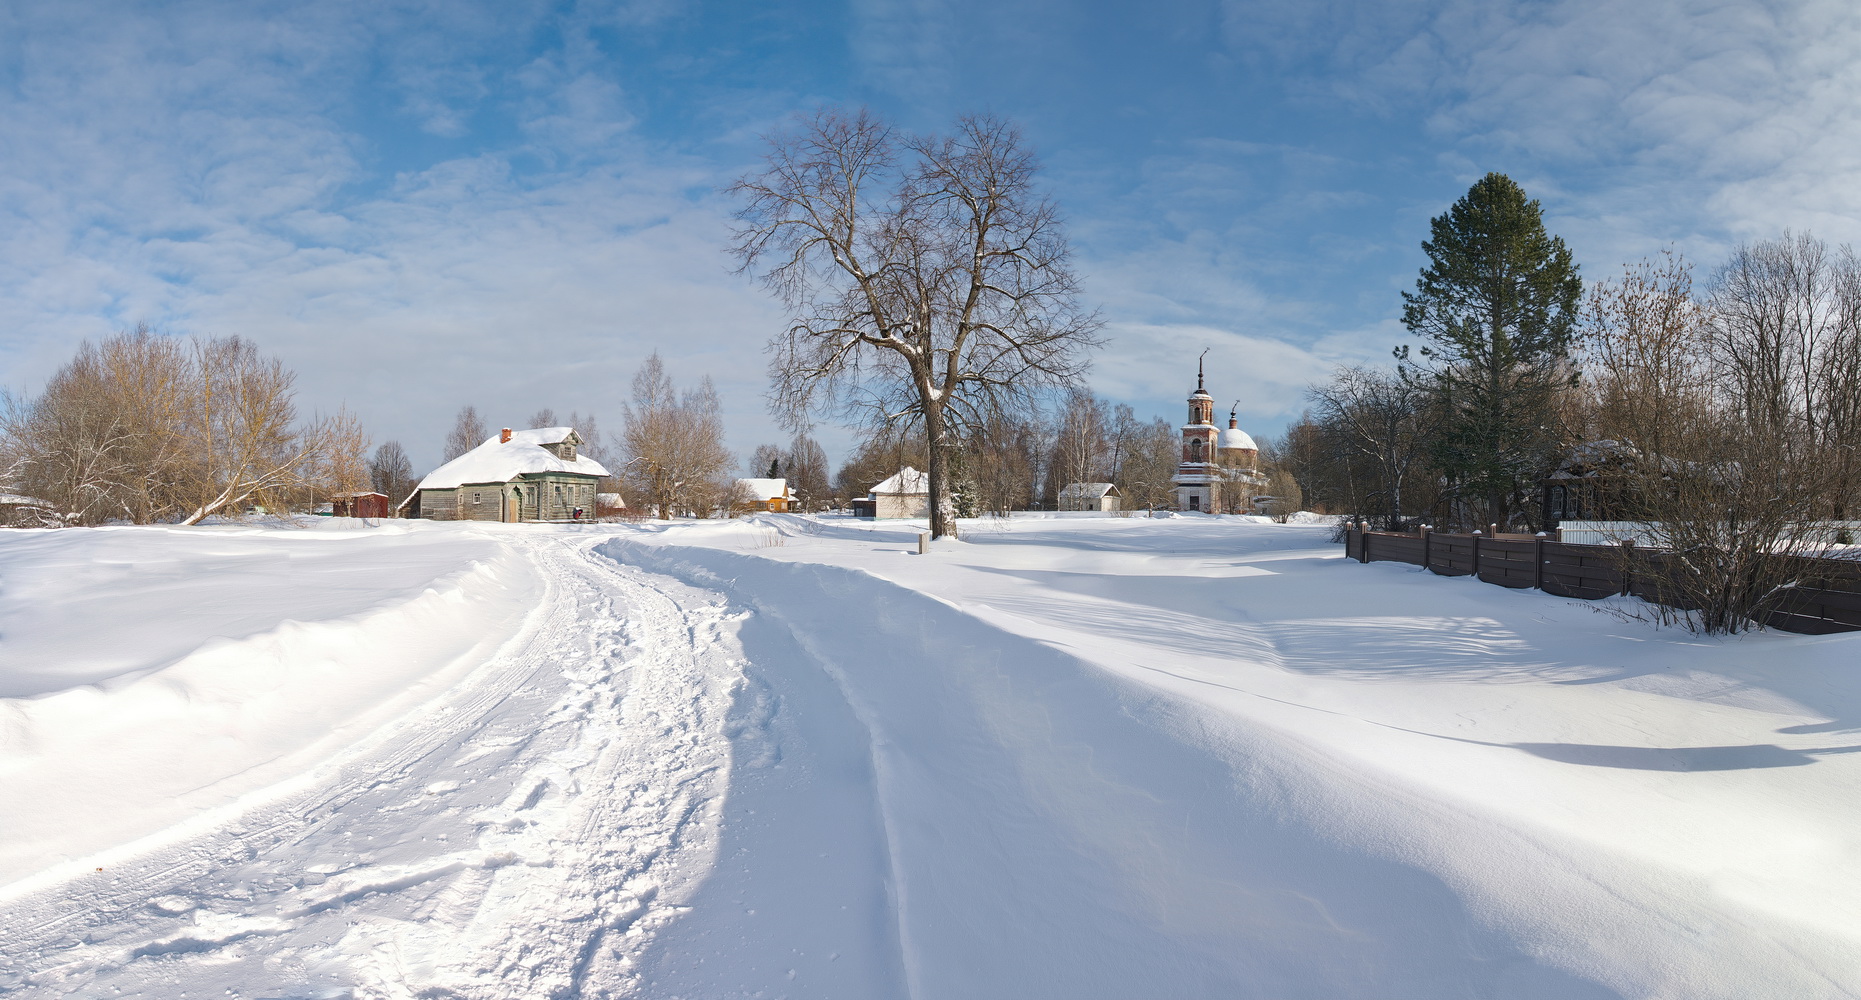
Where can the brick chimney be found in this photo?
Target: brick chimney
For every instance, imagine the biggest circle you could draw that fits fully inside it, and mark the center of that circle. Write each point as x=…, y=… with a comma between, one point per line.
x=504, y=438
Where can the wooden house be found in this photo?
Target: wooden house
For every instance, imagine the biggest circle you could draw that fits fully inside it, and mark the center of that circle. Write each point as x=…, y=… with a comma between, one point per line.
x=533, y=475
x=754, y=495
x=1592, y=483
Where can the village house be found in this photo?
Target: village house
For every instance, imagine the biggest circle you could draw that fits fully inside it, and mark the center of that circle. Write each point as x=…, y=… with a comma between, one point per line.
x=533, y=475
x=755, y=495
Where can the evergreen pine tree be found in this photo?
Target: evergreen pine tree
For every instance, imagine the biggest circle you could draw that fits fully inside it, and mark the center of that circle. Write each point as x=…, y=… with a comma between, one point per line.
x=1496, y=305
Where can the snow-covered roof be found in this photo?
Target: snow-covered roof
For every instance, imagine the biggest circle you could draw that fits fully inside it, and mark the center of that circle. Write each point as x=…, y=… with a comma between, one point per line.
x=498, y=461
x=609, y=500
x=1088, y=491
x=1234, y=437
x=907, y=482
x=766, y=489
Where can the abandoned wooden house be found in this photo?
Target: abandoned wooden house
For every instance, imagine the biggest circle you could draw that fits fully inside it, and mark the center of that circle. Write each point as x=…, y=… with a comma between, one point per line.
x=533, y=475
x=1595, y=482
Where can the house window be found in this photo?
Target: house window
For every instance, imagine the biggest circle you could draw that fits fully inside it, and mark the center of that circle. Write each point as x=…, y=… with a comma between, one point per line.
x=474, y=498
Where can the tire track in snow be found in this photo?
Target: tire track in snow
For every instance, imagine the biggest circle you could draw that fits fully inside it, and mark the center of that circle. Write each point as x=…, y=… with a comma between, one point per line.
x=521, y=835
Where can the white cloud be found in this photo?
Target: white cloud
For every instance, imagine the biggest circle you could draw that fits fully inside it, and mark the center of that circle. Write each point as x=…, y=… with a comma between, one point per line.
x=204, y=183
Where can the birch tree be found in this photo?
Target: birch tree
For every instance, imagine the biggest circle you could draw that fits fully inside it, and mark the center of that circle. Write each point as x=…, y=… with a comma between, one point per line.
x=927, y=278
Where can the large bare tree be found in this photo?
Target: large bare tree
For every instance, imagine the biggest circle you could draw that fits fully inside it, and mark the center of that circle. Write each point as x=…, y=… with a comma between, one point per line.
x=928, y=279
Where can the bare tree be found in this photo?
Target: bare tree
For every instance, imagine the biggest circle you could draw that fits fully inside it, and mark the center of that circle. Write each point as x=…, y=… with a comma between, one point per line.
x=391, y=473
x=1002, y=458
x=807, y=473
x=145, y=428
x=1785, y=337
x=766, y=461
x=1081, y=448
x=1147, y=469
x=928, y=279
x=878, y=458
x=675, y=455
x=1710, y=410
x=544, y=417
x=1384, y=418
x=244, y=443
x=468, y=432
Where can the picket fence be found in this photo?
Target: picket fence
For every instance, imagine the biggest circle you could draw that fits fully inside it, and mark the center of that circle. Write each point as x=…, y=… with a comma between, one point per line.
x=1829, y=600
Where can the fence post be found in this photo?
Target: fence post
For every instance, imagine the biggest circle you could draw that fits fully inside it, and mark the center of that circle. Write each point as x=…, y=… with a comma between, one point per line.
x=1628, y=566
x=1537, y=558
x=1476, y=553
x=1363, y=549
x=1426, y=563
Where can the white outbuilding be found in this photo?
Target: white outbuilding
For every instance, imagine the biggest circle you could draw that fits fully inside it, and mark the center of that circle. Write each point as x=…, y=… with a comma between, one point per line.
x=906, y=494
x=1101, y=497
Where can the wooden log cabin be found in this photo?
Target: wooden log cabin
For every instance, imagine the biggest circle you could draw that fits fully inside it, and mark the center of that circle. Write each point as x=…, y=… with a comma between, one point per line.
x=533, y=475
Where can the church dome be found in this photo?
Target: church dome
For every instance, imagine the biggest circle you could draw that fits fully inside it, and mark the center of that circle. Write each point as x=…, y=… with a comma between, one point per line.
x=1235, y=439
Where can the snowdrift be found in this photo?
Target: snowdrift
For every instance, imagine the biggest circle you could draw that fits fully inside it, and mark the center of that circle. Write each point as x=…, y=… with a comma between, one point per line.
x=156, y=678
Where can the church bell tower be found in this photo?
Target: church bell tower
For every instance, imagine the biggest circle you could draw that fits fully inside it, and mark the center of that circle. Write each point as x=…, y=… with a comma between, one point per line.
x=1198, y=479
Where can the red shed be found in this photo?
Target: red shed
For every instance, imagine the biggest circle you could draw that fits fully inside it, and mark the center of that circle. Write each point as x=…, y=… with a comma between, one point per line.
x=360, y=505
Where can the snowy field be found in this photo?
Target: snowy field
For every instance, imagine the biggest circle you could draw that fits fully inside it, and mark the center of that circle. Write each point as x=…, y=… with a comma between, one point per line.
x=789, y=757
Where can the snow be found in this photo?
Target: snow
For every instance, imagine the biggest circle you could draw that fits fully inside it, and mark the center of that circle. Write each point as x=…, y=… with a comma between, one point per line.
x=499, y=461
x=766, y=489
x=788, y=756
x=905, y=482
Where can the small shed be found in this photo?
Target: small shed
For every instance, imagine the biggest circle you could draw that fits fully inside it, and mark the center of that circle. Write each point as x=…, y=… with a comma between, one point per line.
x=906, y=494
x=1101, y=497
x=762, y=495
x=360, y=505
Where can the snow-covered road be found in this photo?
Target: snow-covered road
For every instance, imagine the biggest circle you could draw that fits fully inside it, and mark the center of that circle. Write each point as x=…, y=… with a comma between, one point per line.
x=501, y=837
x=790, y=757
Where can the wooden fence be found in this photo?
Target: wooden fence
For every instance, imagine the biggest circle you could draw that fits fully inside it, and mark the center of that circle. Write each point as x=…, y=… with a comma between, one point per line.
x=1830, y=600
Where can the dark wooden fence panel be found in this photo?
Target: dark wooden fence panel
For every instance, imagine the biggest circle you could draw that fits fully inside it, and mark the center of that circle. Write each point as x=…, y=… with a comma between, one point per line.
x=1388, y=547
x=1828, y=601
x=1583, y=571
x=1450, y=555
x=1508, y=563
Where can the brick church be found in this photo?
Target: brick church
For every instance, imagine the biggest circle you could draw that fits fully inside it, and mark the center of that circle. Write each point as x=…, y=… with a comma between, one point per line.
x=1220, y=469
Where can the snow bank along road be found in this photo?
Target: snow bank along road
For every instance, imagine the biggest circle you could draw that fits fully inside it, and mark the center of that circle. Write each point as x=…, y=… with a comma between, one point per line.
x=789, y=757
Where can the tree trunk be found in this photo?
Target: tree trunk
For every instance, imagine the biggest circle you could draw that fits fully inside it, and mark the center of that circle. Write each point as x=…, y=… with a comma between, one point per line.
x=937, y=436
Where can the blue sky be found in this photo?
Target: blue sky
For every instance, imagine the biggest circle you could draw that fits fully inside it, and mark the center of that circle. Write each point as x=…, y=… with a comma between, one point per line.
x=509, y=204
